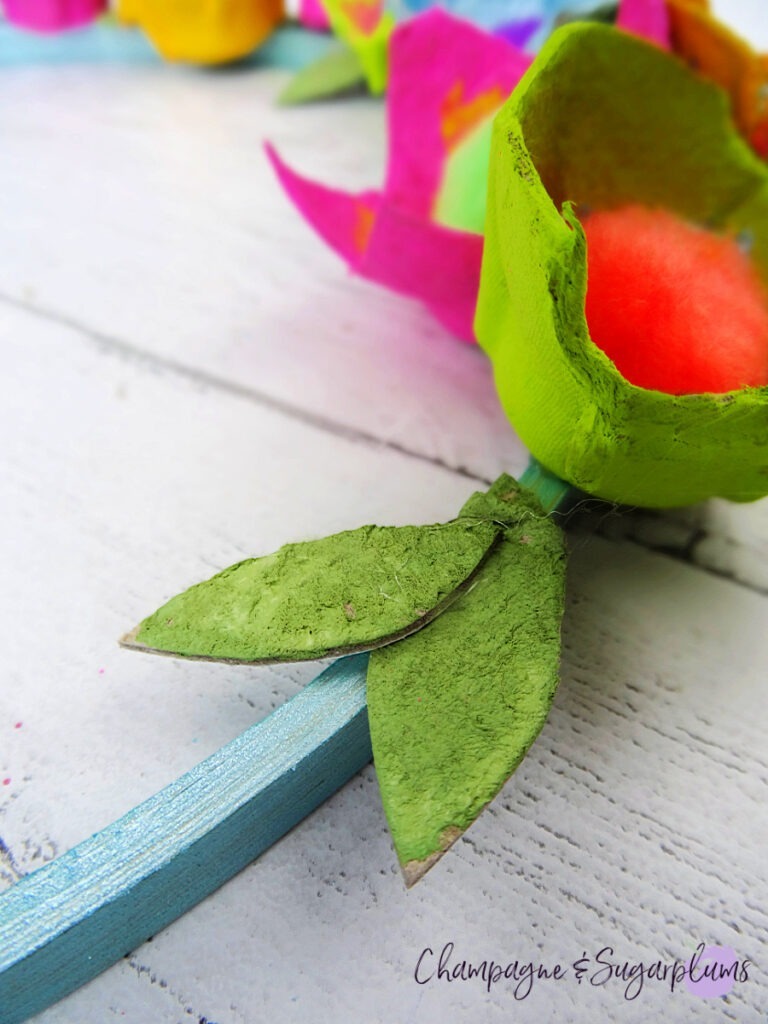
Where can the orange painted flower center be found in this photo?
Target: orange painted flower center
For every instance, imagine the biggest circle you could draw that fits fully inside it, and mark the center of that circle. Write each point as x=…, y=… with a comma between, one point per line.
x=677, y=308
x=459, y=116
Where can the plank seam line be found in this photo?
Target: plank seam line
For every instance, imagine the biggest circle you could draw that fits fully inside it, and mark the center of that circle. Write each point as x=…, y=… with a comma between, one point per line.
x=130, y=353
x=591, y=524
x=689, y=559
x=125, y=350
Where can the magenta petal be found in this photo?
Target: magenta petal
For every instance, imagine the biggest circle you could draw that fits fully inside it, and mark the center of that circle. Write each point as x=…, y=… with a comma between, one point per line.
x=645, y=18
x=313, y=15
x=343, y=220
x=447, y=78
x=52, y=15
x=437, y=265
x=425, y=261
x=438, y=63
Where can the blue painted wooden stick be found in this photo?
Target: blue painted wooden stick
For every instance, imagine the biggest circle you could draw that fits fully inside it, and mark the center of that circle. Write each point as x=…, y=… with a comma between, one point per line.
x=71, y=919
x=291, y=47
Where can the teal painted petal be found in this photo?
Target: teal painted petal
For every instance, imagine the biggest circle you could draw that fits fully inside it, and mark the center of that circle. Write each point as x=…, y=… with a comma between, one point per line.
x=348, y=592
x=454, y=708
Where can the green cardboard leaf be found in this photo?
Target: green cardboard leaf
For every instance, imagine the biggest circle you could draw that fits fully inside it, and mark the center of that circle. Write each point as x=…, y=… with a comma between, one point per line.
x=601, y=120
x=344, y=593
x=454, y=708
x=335, y=72
x=366, y=27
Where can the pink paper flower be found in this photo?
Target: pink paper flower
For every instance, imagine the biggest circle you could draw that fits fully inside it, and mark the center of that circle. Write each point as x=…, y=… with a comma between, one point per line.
x=421, y=234
x=646, y=18
x=314, y=15
x=53, y=15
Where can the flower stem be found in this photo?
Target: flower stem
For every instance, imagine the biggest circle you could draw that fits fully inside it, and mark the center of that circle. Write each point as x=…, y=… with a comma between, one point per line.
x=551, y=491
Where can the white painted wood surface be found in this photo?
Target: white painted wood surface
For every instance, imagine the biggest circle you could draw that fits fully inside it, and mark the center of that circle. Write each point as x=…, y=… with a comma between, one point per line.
x=189, y=378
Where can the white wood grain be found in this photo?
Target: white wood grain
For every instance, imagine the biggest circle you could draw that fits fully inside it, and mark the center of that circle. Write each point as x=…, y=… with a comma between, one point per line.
x=637, y=821
x=237, y=285
x=156, y=482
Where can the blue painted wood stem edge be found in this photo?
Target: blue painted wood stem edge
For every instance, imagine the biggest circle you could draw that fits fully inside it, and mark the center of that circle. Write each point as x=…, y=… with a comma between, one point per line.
x=290, y=47
x=71, y=919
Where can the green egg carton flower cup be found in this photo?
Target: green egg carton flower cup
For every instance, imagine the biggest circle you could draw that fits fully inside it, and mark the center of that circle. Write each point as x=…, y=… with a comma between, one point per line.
x=600, y=121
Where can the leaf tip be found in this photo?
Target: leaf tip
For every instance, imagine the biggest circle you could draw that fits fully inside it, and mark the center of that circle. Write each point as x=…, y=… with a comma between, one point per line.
x=131, y=640
x=414, y=870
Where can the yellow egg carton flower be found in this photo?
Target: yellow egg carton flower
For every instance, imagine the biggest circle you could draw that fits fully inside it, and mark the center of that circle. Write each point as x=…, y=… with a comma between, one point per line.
x=203, y=31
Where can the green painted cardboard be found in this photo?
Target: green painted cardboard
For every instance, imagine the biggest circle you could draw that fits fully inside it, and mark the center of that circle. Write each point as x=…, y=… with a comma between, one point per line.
x=454, y=708
x=602, y=119
x=343, y=593
x=337, y=71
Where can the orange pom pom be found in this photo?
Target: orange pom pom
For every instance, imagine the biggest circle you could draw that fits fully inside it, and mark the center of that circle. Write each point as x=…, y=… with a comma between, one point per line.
x=677, y=308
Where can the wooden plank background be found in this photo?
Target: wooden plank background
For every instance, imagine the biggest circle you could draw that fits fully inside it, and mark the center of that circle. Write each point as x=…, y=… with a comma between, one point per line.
x=190, y=378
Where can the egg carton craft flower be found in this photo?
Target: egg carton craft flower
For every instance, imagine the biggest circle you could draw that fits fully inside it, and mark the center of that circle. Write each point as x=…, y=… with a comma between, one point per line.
x=639, y=131
x=204, y=31
x=366, y=26
x=53, y=15
x=716, y=52
x=421, y=234
x=462, y=619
